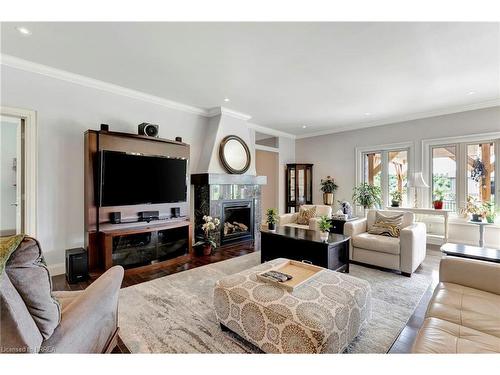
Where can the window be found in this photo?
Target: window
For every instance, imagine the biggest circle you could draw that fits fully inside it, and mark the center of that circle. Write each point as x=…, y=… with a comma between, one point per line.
x=373, y=168
x=398, y=173
x=444, y=175
x=459, y=167
x=386, y=168
x=481, y=172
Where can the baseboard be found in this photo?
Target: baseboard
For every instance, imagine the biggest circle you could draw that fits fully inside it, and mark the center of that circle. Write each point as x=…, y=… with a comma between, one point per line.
x=57, y=269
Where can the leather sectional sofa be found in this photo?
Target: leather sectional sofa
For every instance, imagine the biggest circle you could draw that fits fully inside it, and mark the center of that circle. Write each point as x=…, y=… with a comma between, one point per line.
x=463, y=315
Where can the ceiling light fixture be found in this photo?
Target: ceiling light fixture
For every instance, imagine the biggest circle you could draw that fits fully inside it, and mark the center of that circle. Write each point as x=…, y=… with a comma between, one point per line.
x=23, y=30
x=226, y=100
x=368, y=113
x=304, y=126
x=471, y=93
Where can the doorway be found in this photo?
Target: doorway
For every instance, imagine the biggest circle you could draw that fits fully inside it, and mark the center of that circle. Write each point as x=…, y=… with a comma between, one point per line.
x=267, y=164
x=11, y=176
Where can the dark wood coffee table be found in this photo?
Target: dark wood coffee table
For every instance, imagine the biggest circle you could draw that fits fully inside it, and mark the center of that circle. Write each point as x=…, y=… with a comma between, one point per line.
x=471, y=252
x=306, y=245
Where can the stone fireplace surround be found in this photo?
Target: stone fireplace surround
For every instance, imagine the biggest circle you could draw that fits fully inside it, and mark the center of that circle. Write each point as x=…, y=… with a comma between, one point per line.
x=213, y=190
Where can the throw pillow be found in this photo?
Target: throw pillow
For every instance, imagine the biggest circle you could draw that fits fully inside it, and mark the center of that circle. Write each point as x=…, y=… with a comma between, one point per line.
x=29, y=275
x=305, y=215
x=387, y=225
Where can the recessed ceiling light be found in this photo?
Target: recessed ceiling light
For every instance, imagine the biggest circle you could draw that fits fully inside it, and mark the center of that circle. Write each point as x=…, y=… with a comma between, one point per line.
x=23, y=30
x=226, y=99
x=471, y=93
x=304, y=126
x=368, y=113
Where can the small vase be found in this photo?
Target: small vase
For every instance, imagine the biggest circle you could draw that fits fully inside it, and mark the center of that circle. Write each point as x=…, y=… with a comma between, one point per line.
x=324, y=236
x=328, y=199
x=207, y=249
x=490, y=219
x=271, y=226
x=395, y=204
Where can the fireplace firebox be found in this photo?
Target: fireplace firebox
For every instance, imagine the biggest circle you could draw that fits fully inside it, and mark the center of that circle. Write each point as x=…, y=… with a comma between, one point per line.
x=236, y=221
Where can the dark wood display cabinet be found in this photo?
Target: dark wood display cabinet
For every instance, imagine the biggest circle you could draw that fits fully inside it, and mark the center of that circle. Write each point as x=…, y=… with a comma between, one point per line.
x=298, y=186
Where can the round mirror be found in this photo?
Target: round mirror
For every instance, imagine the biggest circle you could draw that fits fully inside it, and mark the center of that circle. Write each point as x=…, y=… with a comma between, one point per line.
x=234, y=154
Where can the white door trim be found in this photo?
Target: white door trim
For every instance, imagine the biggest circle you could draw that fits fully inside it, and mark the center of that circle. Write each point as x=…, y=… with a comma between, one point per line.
x=30, y=165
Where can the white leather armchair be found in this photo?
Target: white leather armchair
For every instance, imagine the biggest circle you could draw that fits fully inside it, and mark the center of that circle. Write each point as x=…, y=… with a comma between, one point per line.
x=291, y=219
x=404, y=254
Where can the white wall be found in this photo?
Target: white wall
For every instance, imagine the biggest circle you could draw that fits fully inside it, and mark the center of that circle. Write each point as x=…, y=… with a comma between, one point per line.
x=64, y=112
x=334, y=154
x=8, y=152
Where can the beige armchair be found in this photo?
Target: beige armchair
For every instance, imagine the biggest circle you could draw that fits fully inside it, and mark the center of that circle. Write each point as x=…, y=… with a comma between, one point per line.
x=404, y=254
x=35, y=319
x=290, y=220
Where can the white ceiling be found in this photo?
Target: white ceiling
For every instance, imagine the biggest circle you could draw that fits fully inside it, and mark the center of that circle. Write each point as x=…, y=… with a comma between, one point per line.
x=327, y=76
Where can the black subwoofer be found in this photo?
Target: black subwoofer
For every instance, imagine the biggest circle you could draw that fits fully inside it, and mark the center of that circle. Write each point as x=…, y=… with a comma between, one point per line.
x=76, y=265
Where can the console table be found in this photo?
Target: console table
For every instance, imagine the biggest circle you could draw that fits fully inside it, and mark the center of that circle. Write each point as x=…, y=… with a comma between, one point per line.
x=428, y=211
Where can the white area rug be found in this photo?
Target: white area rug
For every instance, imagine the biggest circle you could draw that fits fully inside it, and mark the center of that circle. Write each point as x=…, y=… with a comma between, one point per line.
x=174, y=314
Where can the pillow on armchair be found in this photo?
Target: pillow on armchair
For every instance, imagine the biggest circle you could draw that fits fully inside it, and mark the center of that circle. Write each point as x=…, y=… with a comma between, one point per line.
x=386, y=226
x=305, y=214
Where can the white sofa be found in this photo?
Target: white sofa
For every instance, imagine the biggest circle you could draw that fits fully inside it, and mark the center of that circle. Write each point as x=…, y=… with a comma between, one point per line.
x=403, y=254
x=290, y=220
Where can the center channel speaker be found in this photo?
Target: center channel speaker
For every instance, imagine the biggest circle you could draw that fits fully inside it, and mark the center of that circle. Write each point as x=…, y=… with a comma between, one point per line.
x=151, y=130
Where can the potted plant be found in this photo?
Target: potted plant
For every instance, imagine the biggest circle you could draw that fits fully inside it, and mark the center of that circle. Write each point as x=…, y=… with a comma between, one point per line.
x=328, y=187
x=438, y=199
x=324, y=227
x=367, y=195
x=489, y=210
x=397, y=197
x=210, y=228
x=272, y=218
x=474, y=207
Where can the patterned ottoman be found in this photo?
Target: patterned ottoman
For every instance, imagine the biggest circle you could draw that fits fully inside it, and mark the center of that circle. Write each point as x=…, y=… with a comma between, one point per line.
x=321, y=316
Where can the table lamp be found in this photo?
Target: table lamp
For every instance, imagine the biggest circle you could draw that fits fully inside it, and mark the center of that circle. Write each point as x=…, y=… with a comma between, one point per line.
x=416, y=181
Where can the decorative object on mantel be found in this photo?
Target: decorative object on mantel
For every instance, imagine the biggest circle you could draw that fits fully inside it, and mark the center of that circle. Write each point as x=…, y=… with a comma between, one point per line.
x=272, y=218
x=438, y=199
x=208, y=240
x=324, y=227
x=234, y=154
x=346, y=208
x=396, y=198
x=367, y=195
x=416, y=182
x=328, y=187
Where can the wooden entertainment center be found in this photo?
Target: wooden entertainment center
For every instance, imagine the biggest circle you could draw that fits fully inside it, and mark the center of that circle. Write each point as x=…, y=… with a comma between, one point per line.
x=136, y=245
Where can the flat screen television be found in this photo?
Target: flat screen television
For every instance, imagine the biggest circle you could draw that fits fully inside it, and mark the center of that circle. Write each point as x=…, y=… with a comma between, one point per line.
x=128, y=179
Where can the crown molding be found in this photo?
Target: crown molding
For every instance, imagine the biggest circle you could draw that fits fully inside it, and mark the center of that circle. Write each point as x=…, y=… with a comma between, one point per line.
x=29, y=66
x=228, y=112
x=410, y=117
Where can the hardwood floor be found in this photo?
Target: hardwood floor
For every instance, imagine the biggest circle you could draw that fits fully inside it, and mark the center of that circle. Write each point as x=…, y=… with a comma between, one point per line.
x=402, y=344
x=222, y=253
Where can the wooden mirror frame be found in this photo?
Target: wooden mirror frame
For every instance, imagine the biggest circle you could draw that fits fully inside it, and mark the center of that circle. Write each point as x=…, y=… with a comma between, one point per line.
x=223, y=158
